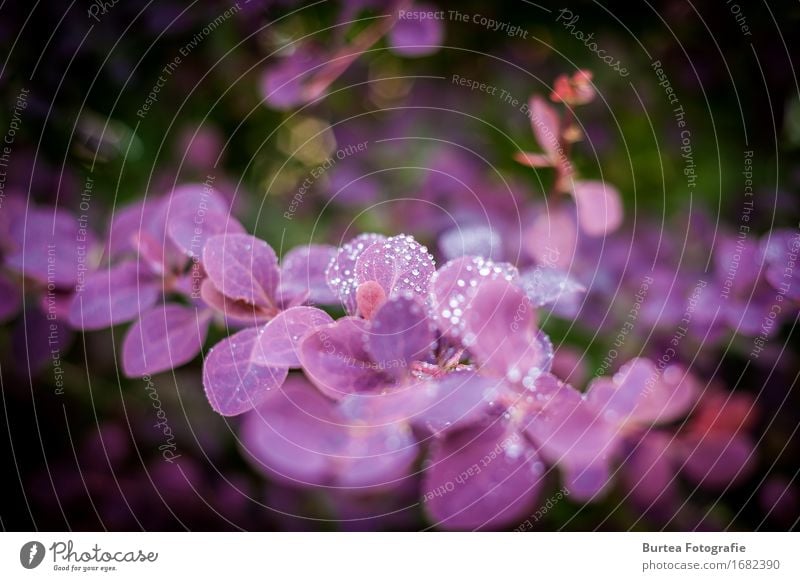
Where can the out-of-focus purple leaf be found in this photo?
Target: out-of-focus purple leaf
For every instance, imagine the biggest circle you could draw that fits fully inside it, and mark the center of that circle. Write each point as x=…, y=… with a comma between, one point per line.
x=167, y=336
x=303, y=271
x=51, y=247
x=300, y=437
x=416, y=38
x=641, y=393
x=471, y=240
x=195, y=212
x=114, y=295
x=10, y=298
x=482, y=478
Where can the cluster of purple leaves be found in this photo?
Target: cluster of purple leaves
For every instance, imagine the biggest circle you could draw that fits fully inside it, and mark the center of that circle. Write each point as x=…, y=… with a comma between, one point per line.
x=446, y=363
x=309, y=66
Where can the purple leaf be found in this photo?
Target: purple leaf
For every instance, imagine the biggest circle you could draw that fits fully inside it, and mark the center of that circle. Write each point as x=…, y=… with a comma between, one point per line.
x=458, y=399
x=341, y=272
x=641, y=393
x=125, y=225
x=10, y=298
x=114, y=295
x=166, y=337
x=481, y=479
x=399, y=334
x=243, y=268
x=288, y=83
x=649, y=474
x=780, y=249
x=294, y=435
x=501, y=333
x=234, y=380
x=303, y=271
x=716, y=460
x=546, y=286
x=334, y=359
x=195, y=212
x=552, y=238
x=569, y=432
x=415, y=38
x=150, y=239
x=38, y=341
x=475, y=240
x=300, y=437
x=50, y=247
x=453, y=286
x=238, y=311
x=278, y=340
x=399, y=264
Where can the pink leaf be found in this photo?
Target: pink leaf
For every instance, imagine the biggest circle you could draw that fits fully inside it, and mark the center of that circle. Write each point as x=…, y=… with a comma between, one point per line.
x=453, y=287
x=545, y=125
x=502, y=334
x=243, y=268
x=278, y=341
x=238, y=311
x=341, y=272
x=599, y=207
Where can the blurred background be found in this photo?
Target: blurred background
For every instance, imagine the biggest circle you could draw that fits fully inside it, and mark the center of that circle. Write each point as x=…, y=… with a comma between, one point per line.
x=108, y=103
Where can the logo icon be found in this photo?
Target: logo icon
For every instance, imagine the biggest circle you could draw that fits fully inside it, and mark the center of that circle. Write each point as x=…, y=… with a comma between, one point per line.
x=31, y=554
